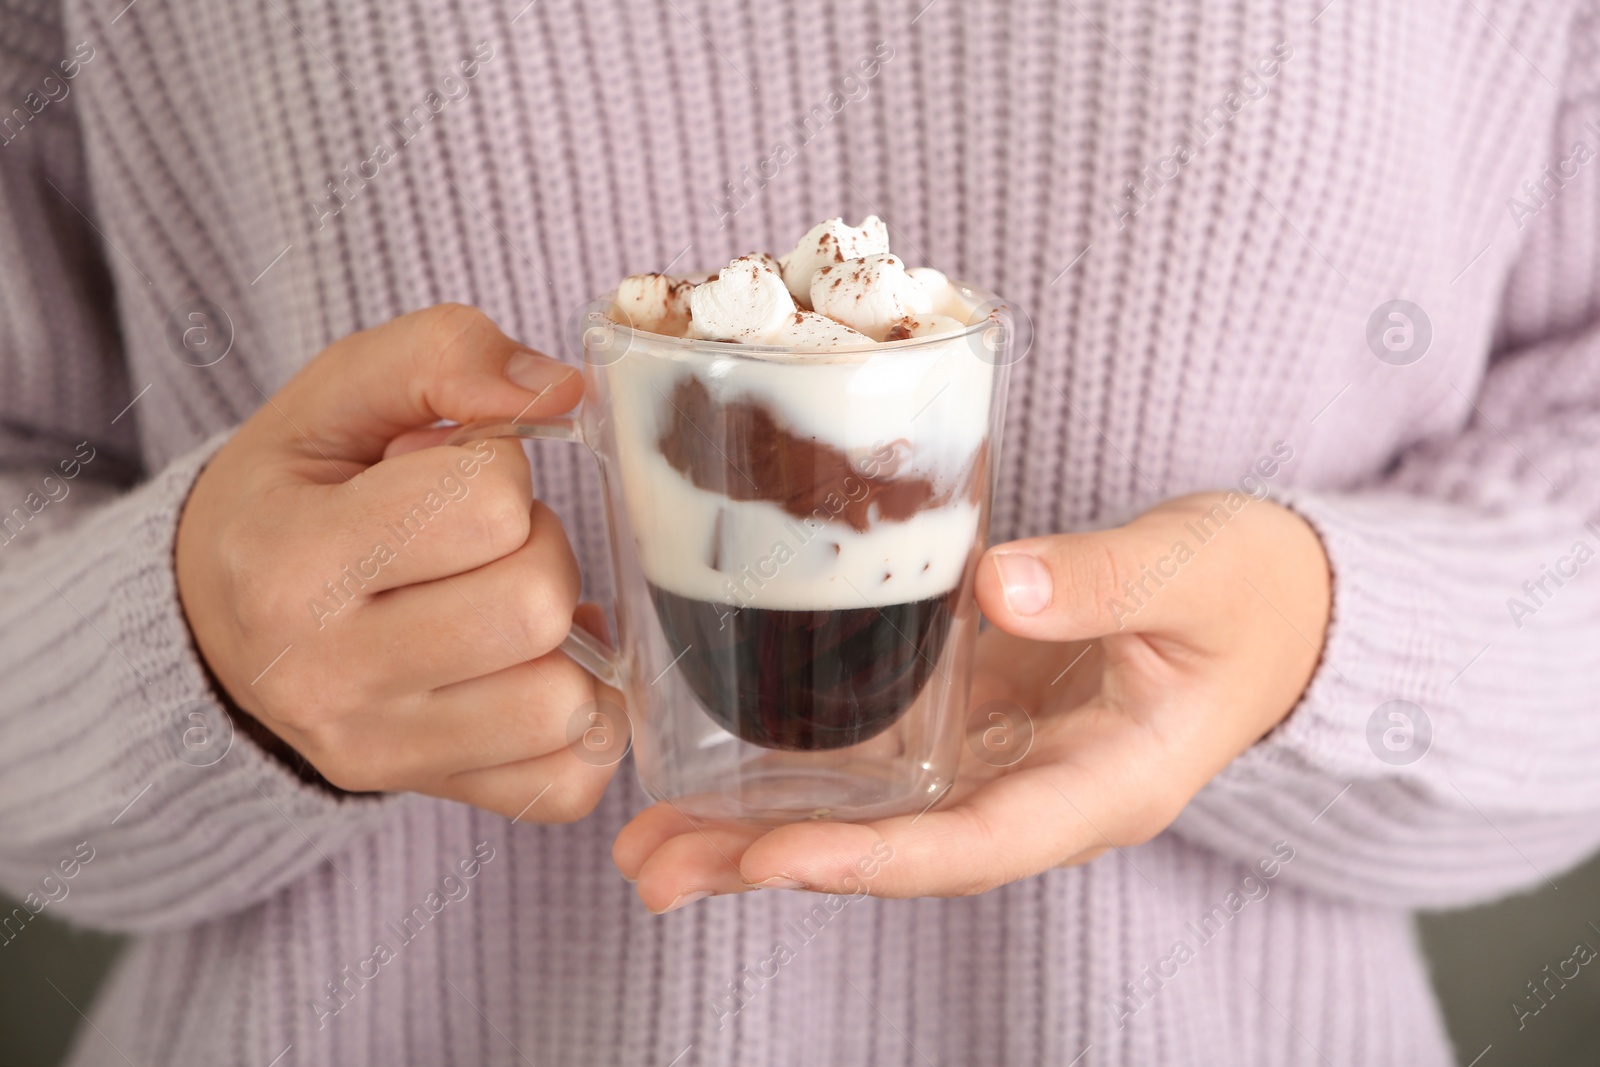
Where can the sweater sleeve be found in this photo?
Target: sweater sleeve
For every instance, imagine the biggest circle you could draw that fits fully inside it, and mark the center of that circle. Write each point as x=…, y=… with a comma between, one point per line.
x=1447, y=750
x=113, y=744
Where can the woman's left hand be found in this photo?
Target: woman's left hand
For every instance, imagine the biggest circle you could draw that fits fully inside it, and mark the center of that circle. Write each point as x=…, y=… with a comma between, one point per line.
x=1147, y=657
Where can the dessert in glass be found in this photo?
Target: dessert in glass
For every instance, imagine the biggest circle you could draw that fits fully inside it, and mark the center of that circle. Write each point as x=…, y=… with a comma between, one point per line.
x=798, y=454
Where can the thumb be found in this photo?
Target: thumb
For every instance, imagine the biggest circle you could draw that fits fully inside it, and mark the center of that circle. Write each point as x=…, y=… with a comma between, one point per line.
x=449, y=361
x=1071, y=587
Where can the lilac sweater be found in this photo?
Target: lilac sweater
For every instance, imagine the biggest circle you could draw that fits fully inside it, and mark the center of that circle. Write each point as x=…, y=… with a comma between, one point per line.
x=1291, y=172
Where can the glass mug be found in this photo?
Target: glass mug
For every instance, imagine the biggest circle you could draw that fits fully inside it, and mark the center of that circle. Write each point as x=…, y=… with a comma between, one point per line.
x=793, y=542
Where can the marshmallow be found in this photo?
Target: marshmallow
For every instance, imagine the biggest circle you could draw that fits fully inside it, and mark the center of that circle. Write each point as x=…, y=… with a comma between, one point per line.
x=770, y=260
x=654, y=303
x=947, y=298
x=932, y=281
x=923, y=326
x=870, y=294
x=808, y=330
x=746, y=301
x=839, y=288
x=827, y=242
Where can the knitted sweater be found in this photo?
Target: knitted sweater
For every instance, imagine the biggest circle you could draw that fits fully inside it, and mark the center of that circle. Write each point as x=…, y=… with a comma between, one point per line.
x=1205, y=205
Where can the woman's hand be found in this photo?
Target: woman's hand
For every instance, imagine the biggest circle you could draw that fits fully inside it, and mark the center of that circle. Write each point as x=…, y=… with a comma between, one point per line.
x=1147, y=657
x=389, y=607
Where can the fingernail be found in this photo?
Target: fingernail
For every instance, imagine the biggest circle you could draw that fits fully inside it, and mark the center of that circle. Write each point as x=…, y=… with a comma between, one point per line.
x=1025, y=582
x=779, y=882
x=630, y=881
x=537, y=373
x=685, y=900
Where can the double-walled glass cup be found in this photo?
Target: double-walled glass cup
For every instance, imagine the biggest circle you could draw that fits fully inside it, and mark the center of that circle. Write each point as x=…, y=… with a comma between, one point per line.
x=793, y=542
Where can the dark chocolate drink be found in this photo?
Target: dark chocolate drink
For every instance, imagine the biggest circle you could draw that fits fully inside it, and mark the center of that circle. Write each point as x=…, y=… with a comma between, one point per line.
x=805, y=680
x=819, y=678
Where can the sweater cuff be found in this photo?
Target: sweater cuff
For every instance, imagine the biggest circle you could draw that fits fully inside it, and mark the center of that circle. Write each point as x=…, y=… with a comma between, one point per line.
x=203, y=820
x=1388, y=639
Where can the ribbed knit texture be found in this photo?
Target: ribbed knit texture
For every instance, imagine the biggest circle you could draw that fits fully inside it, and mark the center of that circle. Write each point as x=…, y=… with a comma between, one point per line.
x=1173, y=348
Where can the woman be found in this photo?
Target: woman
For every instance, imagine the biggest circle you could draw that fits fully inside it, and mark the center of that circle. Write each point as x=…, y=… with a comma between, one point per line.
x=1313, y=394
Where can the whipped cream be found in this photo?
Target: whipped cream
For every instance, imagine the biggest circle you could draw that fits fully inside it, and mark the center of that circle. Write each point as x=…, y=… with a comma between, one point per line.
x=928, y=406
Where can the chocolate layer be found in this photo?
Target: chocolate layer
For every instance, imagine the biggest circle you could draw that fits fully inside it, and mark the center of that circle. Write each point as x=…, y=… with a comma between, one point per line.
x=806, y=680
x=743, y=452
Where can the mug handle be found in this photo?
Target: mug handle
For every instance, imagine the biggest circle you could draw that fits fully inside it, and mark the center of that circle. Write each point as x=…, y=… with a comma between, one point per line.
x=586, y=650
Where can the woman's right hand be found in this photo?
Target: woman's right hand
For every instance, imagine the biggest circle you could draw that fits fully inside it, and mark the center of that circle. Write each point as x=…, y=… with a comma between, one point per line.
x=394, y=615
